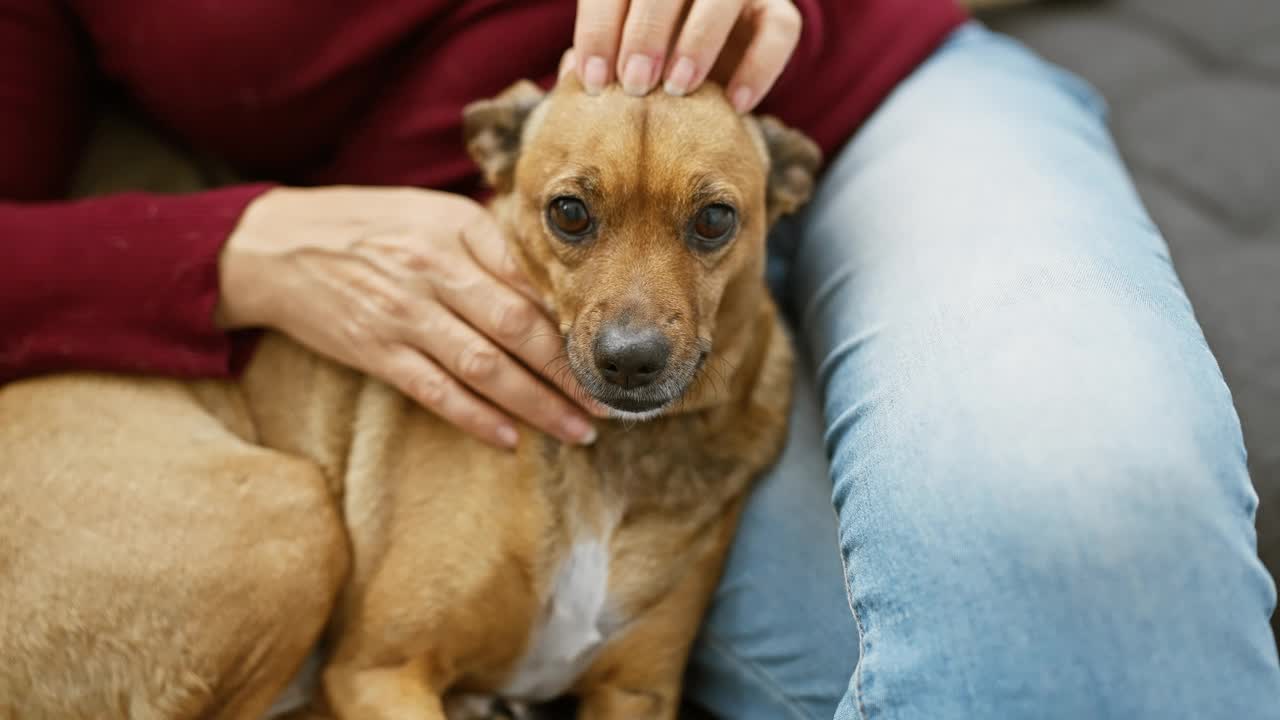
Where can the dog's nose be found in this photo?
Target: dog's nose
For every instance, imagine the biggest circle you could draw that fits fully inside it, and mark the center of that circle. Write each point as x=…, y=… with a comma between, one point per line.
x=631, y=357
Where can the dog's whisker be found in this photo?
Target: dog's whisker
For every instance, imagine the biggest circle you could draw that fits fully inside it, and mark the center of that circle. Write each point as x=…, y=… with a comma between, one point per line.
x=535, y=336
x=547, y=366
x=722, y=369
x=558, y=371
x=530, y=338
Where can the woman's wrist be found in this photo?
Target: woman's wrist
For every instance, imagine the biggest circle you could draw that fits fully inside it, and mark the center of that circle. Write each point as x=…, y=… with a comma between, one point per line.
x=244, y=273
x=238, y=304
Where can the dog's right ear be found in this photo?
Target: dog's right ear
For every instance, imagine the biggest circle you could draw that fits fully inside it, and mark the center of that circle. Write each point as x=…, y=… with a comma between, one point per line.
x=794, y=161
x=492, y=130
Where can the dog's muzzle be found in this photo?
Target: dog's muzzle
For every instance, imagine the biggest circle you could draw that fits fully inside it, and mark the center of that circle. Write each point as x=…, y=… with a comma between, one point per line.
x=634, y=368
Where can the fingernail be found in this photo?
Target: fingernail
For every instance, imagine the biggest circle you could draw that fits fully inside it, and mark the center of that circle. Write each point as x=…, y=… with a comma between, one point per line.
x=681, y=77
x=637, y=74
x=508, y=436
x=579, y=430
x=568, y=62
x=594, y=75
x=742, y=98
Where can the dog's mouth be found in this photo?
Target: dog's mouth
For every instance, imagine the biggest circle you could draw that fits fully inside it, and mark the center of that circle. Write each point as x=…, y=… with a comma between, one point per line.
x=640, y=403
x=634, y=405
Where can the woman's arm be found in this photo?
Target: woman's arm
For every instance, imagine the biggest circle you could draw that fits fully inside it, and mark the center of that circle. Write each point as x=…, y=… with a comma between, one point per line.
x=146, y=283
x=125, y=283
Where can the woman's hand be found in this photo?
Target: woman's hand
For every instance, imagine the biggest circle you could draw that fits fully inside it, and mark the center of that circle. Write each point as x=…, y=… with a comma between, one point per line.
x=634, y=39
x=411, y=286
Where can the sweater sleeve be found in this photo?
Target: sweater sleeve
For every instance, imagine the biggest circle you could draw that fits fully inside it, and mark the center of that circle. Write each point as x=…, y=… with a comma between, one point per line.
x=125, y=283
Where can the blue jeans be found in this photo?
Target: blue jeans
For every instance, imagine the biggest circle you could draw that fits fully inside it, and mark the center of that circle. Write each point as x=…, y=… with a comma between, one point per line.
x=1042, y=508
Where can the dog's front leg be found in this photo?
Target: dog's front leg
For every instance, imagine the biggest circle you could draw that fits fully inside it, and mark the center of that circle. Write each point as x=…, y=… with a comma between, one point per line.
x=382, y=693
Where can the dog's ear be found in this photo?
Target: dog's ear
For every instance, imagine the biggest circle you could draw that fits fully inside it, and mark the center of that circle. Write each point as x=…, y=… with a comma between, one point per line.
x=794, y=161
x=492, y=130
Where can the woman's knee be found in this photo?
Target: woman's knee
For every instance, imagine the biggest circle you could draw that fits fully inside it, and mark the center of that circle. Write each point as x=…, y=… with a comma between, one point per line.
x=1060, y=489
x=1045, y=416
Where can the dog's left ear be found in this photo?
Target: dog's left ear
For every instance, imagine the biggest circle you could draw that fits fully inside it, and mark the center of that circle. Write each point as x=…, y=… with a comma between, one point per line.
x=794, y=161
x=492, y=130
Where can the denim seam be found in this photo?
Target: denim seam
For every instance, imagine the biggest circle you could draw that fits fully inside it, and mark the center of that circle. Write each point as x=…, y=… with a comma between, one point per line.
x=770, y=686
x=862, y=639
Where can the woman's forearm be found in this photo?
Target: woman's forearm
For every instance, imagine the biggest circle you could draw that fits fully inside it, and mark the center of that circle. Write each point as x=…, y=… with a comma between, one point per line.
x=123, y=283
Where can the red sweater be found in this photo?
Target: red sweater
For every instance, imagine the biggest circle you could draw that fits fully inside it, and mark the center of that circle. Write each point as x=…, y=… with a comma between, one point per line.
x=302, y=92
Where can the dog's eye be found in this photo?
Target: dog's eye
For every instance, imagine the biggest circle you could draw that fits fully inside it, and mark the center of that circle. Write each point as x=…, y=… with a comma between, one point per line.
x=714, y=224
x=570, y=217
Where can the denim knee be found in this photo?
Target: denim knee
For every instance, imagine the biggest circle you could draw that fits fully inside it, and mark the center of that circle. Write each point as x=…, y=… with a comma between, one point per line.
x=1050, y=480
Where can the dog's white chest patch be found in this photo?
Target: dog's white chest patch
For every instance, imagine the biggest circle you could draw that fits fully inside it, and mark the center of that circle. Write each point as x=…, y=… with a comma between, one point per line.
x=573, y=629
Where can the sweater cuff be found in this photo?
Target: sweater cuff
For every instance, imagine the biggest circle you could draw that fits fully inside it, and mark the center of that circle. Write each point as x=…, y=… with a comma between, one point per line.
x=206, y=221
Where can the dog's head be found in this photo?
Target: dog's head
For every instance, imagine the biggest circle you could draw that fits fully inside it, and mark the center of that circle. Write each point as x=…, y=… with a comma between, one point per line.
x=641, y=222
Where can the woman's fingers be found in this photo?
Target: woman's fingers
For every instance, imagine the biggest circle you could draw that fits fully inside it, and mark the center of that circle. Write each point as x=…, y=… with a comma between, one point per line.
x=646, y=36
x=483, y=240
x=481, y=365
x=568, y=64
x=515, y=324
x=703, y=36
x=510, y=317
x=596, y=34
x=776, y=26
x=632, y=41
x=420, y=378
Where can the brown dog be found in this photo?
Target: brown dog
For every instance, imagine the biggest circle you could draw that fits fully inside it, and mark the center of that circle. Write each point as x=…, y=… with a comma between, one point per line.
x=174, y=550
